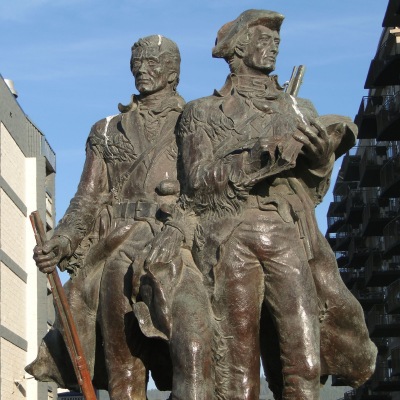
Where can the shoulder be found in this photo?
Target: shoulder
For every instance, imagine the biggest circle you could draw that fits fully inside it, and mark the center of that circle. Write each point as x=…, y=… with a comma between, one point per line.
x=201, y=109
x=101, y=134
x=103, y=126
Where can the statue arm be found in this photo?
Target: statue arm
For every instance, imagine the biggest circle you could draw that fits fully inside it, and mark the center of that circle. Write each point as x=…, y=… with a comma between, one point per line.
x=79, y=216
x=330, y=137
x=204, y=173
x=84, y=207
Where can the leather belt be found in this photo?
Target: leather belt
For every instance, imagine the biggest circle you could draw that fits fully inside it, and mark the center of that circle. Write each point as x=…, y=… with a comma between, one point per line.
x=138, y=210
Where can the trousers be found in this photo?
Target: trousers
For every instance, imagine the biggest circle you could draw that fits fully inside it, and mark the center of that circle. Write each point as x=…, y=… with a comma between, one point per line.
x=263, y=262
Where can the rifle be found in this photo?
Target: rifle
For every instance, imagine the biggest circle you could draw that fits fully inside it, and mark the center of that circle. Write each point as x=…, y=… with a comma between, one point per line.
x=70, y=333
x=296, y=80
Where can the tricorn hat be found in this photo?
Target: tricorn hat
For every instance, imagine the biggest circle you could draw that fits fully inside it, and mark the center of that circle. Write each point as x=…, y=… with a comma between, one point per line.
x=231, y=31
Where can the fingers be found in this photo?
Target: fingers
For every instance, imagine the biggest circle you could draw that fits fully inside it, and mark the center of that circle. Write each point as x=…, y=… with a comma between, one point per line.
x=46, y=259
x=301, y=138
x=314, y=142
x=48, y=269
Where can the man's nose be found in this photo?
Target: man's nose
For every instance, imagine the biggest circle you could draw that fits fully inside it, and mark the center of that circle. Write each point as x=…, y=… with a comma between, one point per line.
x=274, y=48
x=143, y=66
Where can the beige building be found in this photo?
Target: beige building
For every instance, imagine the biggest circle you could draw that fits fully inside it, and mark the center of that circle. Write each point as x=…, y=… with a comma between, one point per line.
x=27, y=172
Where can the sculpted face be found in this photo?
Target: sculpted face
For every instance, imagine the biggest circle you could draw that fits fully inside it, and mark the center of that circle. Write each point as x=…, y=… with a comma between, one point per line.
x=261, y=51
x=150, y=72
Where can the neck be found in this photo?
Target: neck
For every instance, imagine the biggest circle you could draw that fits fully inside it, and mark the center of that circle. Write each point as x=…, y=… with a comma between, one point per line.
x=155, y=98
x=242, y=69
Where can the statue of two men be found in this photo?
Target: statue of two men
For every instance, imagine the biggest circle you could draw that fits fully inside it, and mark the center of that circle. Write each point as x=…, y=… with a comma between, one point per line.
x=236, y=267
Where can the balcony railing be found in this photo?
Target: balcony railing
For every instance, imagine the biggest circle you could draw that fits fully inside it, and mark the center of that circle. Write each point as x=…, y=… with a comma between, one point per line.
x=393, y=297
x=381, y=272
x=383, y=70
x=391, y=234
x=334, y=223
x=371, y=162
x=382, y=344
x=388, y=48
x=350, y=169
x=367, y=297
x=350, y=276
x=390, y=178
x=354, y=206
x=357, y=252
x=381, y=324
x=342, y=258
x=375, y=218
x=383, y=378
x=343, y=236
x=366, y=117
x=388, y=118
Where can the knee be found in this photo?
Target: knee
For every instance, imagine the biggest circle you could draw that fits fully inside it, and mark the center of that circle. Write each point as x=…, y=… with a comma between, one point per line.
x=311, y=369
x=190, y=357
x=308, y=369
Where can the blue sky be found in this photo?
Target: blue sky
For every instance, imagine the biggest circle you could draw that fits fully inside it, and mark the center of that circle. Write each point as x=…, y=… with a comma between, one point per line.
x=69, y=59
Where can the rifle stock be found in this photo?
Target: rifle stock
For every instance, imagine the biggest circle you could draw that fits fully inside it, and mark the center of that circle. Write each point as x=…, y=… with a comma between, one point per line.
x=69, y=331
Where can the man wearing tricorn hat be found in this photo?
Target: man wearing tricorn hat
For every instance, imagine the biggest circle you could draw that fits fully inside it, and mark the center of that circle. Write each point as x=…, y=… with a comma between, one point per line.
x=255, y=162
x=102, y=239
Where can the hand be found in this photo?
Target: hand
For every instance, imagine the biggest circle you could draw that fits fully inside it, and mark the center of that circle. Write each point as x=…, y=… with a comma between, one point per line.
x=317, y=144
x=51, y=253
x=165, y=246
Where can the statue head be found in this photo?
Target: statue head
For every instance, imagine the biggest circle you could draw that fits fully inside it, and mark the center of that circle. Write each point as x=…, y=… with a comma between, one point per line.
x=250, y=43
x=155, y=64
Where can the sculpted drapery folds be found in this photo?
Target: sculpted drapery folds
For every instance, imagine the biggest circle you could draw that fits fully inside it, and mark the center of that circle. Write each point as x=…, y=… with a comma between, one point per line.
x=103, y=238
x=256, y=161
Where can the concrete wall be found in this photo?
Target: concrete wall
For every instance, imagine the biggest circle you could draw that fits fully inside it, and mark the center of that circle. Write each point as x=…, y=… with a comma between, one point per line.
x=27, y=167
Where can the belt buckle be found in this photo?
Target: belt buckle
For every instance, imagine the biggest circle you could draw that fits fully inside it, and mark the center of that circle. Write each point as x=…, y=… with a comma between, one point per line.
x=143, y=209
x=120, y=210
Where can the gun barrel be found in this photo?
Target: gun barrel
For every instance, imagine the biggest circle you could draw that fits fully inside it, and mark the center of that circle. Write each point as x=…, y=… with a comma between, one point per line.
x=296, y=80
x=70, y=333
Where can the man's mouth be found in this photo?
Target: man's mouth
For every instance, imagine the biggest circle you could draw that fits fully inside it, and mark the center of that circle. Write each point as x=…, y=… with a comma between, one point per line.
x=143, y=80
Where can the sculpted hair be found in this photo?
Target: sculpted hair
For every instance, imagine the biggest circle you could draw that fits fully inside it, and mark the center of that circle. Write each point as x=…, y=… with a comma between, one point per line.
x=242, y=41
x=166, y=47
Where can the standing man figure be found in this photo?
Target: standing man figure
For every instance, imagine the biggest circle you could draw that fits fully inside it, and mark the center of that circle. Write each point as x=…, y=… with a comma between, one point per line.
x=255, y=163
x=130, y=170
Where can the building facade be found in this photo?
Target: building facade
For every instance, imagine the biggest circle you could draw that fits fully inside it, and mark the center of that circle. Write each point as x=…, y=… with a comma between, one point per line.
x=364, y=218
x=27, y=174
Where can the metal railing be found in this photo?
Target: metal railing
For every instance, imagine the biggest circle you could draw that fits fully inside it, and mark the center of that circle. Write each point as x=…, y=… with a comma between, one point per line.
x=391, y=233
x=388, y=48
x=390, y=172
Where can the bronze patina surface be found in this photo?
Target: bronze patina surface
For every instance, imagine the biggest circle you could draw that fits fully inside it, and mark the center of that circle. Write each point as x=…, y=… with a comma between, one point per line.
x=193, y=243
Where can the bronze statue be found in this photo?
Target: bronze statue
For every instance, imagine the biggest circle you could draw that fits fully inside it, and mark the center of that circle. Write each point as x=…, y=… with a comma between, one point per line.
x=235, y=268
x=255, y=163
x=102, y=239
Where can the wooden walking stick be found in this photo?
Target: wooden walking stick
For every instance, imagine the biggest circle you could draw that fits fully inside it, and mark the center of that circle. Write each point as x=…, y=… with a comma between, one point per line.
x=70, y=333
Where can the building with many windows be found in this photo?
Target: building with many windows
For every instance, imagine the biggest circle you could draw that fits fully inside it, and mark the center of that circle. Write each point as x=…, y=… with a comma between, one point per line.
x=364, y=218
x=27, y=172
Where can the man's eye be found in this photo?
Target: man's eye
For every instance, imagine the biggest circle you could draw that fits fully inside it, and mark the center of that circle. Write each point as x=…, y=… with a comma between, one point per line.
x=152, y=63
x=136, y=64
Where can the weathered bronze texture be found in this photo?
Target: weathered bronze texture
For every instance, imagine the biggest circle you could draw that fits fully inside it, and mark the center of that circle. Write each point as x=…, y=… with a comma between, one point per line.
x=102, y=239
x=255, y=163
x=211, y=239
